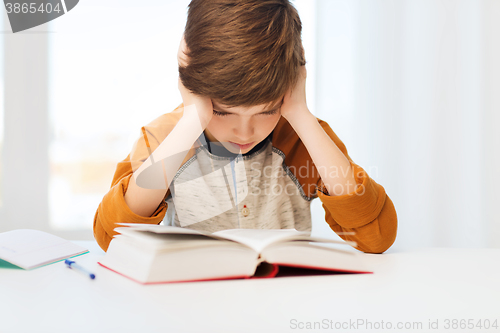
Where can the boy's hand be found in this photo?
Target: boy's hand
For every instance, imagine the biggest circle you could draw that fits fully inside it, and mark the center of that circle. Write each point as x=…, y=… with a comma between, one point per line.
x=294, y=102
x=204, y=107
x=203, y=104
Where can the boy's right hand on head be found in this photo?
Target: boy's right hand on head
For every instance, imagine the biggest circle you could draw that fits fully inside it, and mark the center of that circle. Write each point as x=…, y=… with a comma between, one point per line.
x=203, y=104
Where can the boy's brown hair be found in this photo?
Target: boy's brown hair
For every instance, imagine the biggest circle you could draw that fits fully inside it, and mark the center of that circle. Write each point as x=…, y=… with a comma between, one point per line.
x=242, y=52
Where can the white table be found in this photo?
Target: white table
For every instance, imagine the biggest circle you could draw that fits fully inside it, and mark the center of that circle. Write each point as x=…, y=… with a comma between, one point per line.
x=406, y=289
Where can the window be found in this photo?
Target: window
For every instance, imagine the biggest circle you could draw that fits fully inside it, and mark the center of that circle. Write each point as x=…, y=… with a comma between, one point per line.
x=112, y=69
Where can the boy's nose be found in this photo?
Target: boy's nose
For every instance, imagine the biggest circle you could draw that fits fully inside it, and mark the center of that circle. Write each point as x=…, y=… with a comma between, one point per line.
x=244, y=132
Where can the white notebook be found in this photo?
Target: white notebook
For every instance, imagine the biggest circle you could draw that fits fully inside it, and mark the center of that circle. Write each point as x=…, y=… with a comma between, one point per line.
x=28, y=248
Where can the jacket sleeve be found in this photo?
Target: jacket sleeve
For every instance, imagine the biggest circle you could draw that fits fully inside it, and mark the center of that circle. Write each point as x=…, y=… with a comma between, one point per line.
x=368, y=211
x=113, y=209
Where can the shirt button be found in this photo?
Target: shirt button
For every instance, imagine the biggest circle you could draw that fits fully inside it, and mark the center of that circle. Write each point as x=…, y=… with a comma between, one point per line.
x=245, y=211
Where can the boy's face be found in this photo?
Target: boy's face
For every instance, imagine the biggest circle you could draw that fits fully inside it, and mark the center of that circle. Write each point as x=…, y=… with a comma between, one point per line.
x=239, y=129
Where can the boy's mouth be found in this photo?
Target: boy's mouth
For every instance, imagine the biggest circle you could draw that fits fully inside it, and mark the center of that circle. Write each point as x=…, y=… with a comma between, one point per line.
x=242, y=146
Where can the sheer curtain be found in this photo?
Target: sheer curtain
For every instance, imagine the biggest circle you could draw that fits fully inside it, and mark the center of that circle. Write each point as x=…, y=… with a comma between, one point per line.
x=412, y=87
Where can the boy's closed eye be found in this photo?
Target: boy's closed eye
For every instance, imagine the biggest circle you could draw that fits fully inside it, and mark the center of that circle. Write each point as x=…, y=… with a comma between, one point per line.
x=266, y=113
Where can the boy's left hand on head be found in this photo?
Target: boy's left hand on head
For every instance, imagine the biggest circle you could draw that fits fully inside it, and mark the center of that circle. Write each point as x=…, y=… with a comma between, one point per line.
x=294, y=101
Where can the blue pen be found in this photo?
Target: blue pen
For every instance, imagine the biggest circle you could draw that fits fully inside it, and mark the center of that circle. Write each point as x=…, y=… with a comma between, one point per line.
x=73, y=265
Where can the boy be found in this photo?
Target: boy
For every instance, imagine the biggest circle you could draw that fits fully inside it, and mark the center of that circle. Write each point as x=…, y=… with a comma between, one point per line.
x=243, y=150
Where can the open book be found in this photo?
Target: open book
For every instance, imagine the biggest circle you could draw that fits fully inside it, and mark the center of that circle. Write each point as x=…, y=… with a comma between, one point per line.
x=160, y=254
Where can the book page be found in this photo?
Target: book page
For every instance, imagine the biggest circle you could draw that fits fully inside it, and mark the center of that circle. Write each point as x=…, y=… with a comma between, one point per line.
x=169, y=237
x=159, y=229
x=258, y=239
